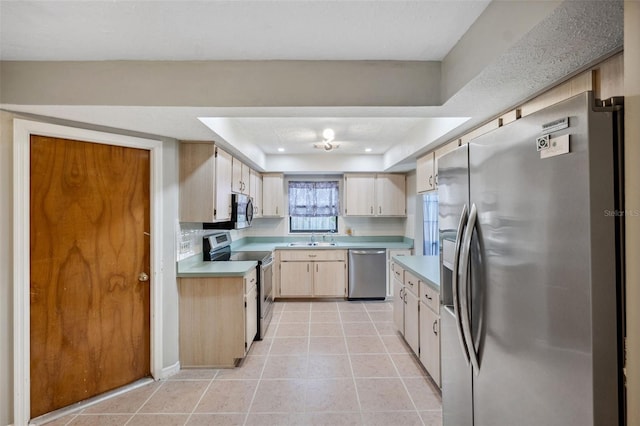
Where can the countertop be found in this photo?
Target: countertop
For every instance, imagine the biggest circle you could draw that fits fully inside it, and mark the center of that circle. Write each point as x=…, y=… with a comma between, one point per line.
x=195, y=267
x=425, y=268
x=342, y=243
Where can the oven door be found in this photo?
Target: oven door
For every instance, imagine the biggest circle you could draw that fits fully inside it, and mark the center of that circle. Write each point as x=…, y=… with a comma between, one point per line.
x=266, y=295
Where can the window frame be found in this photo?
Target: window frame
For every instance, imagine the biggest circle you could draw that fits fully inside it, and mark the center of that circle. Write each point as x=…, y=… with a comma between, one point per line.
x=335, y=218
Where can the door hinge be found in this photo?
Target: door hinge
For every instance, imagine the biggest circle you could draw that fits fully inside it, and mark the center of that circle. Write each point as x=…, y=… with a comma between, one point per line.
x=245, y=304
x=245, y=346
x=419, y=349
x=215, y=212
x=215, y=153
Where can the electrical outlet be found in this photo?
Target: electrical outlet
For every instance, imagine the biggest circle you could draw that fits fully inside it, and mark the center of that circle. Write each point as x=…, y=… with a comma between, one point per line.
x=185, y=246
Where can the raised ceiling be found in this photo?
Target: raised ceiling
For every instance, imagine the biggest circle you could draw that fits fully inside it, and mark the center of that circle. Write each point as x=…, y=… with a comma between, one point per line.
x=488, y=57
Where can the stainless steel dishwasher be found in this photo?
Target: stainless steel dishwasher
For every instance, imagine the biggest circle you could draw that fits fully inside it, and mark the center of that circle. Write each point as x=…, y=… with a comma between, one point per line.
x=367, y=274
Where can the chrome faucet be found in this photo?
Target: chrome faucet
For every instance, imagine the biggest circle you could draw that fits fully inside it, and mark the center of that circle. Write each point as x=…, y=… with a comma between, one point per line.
x=313, y=237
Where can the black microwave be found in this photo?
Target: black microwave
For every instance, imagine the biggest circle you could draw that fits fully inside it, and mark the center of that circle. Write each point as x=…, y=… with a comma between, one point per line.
x=241, y=214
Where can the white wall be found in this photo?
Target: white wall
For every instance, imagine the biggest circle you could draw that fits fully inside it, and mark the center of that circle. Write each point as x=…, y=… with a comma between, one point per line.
x=169, y=287
x=6, y=265
x=632, y=198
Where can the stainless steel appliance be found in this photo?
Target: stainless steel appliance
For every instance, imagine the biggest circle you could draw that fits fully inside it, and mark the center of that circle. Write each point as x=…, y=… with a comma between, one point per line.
x=367, y=274
x=216, y=247
x=241, y=214
x=532, y=271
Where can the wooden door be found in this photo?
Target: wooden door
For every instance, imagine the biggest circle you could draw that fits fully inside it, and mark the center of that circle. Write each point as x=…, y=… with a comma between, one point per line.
x=89, y=225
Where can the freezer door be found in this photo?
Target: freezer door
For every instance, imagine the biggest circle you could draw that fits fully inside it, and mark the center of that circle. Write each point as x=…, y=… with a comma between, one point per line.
x=543, y=257
x=453, y=199
x=457, y=397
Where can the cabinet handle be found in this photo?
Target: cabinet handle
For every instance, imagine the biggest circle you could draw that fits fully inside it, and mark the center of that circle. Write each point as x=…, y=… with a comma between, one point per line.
x=430, y=180
x=276, y=210
x=371, y=209
x=317, y=267
x=312, y=255
x=435, y=327
x=428, y=298
x=379, y=209
x=307, y=267
x=436, y=179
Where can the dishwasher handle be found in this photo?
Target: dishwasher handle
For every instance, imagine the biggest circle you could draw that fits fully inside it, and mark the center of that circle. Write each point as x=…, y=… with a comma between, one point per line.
x=367, y=251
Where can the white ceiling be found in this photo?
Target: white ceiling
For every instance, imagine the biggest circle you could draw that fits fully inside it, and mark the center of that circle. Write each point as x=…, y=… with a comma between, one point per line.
x=575, y=34
x=233, y=30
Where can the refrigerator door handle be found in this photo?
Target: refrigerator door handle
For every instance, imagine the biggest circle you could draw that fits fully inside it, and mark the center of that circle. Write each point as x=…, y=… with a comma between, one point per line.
x=464, y=285
x=454, y=283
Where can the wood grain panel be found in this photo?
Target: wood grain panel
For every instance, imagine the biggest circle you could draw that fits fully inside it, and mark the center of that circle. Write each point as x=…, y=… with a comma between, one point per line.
x=205, y=339
x=89, y=313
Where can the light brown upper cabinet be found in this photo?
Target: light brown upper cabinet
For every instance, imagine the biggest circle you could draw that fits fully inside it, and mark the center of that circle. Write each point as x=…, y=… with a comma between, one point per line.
x=241, y=173
x=427, y=167
x=255, y=192
x=368, y=194
x=205, y=183
x=273, y=195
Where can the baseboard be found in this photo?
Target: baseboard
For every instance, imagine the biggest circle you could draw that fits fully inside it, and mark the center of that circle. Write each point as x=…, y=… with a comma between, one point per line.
x=169, y=371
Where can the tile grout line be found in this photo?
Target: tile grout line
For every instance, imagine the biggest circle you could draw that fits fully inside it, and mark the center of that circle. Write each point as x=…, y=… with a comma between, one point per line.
x=195, y=407
x=146, y=400
x=353, y=376
x=266, y=359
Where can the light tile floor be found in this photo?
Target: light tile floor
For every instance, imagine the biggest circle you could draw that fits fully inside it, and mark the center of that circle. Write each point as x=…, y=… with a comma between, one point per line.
x=321, y=363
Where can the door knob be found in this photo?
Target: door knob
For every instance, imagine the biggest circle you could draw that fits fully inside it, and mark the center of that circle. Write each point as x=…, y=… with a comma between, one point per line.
x=143, y=277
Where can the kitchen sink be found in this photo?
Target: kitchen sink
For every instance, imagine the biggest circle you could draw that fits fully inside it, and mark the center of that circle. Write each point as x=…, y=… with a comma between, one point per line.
x=310, y=244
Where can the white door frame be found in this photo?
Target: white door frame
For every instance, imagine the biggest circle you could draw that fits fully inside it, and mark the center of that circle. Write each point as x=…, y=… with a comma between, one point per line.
x=22, y=131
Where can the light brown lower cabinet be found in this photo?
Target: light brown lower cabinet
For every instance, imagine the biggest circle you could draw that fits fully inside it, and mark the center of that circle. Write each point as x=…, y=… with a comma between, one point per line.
x=313, y=273
x=416, y=316
x=218, y=319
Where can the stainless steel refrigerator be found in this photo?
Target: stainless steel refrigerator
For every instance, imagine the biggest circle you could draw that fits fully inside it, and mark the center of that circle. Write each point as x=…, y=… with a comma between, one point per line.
x=530, y=228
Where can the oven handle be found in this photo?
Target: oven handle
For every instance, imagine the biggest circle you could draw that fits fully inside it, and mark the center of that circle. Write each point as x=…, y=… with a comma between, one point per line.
x=268, y=263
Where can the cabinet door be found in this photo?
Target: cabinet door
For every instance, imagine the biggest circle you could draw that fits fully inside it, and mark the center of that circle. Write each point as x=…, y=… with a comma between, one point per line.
x=430, y=341
x=223, y=185
x=390, y=274
x=240, y=177
x=398, y=306
x=359, y=194
x=272, y=195
x=391, y=195
x=255, y=192
x=296, y=279
x=197, y=177
x=425, y=179
x=411, y=321
x=329, y=279
x=251, y=317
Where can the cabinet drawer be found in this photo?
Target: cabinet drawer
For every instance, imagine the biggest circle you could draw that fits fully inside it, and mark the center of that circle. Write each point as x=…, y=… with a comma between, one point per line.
x=430, y=297
x=250, y=280
x=411, y=283
x=313, y=255
x=398, y=272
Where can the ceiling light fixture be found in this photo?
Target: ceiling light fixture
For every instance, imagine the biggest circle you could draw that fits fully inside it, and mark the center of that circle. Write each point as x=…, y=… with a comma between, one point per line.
x=328, y=135
x=367, y=150
x=280, y=149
